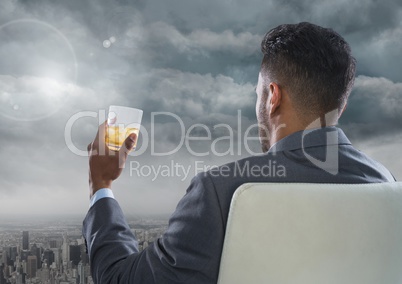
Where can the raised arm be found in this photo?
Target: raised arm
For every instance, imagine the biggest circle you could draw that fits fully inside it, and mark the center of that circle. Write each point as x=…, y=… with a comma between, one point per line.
x=188, y=252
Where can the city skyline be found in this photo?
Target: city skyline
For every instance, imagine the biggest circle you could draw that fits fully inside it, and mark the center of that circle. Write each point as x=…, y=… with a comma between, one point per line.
x=197, y=60
x=56, y=253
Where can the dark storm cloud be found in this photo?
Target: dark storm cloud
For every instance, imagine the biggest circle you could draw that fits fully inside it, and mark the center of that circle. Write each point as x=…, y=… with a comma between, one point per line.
x=198, y=60
x=346, y=17
x=374, y=109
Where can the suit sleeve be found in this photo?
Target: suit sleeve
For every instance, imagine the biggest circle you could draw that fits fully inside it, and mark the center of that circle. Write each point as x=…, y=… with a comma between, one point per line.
x=188, y=252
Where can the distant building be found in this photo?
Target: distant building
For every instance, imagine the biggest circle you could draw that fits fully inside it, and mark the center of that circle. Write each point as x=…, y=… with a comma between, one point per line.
x=75, y=254
x=57, y=257
x=64, y=249
x=20, y=279
x=81, y=273
x=25, y=240
x=4, y=258
x=24, y=255
x=32, y=264
x=84, y=255
x=35, y=250
x=48, y=257
x=44, y=274
x=12, y=252
x=2, y=279
x=53, y=244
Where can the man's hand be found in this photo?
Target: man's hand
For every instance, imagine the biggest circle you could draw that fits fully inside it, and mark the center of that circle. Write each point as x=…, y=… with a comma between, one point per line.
x=106, y=165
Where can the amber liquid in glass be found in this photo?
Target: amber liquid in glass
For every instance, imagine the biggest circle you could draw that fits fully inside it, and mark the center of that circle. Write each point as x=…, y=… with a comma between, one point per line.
x=116, y=135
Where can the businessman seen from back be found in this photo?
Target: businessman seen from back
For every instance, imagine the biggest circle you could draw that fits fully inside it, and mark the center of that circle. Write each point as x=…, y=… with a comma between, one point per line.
x=306, y=76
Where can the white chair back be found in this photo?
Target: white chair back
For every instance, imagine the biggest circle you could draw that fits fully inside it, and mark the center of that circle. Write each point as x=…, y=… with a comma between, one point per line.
x=292, y=233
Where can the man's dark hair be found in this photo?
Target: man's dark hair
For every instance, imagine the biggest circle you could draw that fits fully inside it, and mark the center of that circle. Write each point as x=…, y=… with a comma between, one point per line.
x=313, y=63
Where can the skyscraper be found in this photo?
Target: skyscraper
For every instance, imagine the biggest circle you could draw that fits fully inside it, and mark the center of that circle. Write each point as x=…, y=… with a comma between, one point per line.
x=24, y=255
x=65, y=247
x=31, y=266
x=84, y=256
x=75, y=254
x=53, y=244
x=81, y=273
x=13, y=253
x=25, y=240
x=48, y=256
x=4, y=258
x=2, y=279
x=35, y=250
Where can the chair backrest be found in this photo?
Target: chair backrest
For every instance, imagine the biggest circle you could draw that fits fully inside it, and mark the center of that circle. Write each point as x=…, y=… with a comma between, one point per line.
x=314, y=234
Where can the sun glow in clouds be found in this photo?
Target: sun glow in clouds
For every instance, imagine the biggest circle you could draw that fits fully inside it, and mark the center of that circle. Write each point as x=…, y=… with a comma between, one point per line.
x=29, y=98
x=43, y=73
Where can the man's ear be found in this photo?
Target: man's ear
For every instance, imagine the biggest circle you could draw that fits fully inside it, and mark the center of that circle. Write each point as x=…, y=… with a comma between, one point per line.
x=275, y=97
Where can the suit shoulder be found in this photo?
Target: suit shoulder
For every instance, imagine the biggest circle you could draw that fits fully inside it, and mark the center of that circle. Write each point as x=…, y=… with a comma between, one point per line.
x=378, y=170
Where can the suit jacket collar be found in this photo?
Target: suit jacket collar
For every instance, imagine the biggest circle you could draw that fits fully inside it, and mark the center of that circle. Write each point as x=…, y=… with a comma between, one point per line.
x=325, y=136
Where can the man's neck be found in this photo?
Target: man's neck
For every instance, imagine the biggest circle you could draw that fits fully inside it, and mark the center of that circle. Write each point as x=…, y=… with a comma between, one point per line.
x=283, y=130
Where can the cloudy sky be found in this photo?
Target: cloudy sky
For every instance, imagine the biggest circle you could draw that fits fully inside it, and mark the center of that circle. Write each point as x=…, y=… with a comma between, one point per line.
x=64, y=62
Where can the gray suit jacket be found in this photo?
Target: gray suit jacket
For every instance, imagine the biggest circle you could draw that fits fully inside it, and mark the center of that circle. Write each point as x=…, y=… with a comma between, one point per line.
x=190, y=250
